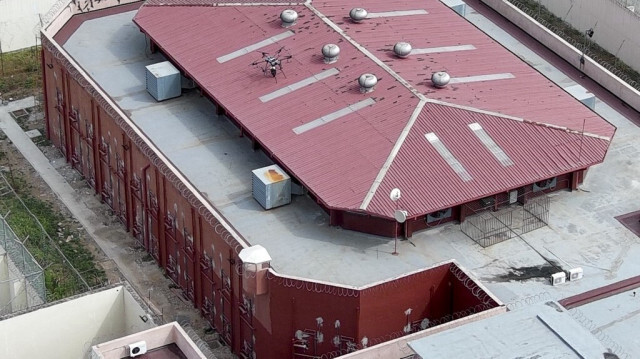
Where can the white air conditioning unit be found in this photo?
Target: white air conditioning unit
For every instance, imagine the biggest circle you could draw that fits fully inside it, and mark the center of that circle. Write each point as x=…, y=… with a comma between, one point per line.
x=545, y=184
x=558, y=278
x=575, y=273
x=137, y=349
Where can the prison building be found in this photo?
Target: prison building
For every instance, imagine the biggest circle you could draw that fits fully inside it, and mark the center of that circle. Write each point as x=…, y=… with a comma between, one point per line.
x=264, y=154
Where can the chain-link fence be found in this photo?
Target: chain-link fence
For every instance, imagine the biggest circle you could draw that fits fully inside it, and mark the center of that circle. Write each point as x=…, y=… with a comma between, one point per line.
x=22, y=283
x=24, y=234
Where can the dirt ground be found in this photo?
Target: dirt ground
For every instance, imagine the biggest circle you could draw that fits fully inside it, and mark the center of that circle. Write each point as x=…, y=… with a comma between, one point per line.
x=165, y=296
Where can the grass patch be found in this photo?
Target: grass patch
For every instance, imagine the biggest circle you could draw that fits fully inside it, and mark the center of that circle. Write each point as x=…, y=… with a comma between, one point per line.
x=60, y=280
x=20, y=73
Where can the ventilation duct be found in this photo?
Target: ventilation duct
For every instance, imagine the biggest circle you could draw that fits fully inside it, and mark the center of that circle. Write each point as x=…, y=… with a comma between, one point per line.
x=357, y=14
x=440, y=79
x=288, y=17
x=163, y=81
x=402, y=49
x=367, y=82
x=271, y=187
x=330, y=52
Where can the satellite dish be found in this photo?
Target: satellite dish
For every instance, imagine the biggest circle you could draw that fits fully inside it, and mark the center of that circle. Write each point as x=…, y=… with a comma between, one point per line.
x=400, y=215
x=299, y=335
x=395, y=194
x=424, y=324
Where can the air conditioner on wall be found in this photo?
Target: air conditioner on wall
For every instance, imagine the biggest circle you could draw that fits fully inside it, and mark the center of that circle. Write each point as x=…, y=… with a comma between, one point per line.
x=575, y=273
x=545, y=184
x=558, y=278
x=137, y=349
x=439, y=215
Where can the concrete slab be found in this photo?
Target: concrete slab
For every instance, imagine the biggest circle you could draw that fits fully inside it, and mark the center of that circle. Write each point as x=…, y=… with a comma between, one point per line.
x=33, y=133
x=550, y=333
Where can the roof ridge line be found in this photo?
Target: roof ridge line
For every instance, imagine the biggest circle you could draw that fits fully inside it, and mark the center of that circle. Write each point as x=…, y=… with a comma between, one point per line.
x=475, y=109
x=519, y=119
x=392, y=155
x=365, y=51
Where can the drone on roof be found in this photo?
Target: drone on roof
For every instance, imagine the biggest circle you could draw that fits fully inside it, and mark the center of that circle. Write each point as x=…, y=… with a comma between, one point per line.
x=271, y=64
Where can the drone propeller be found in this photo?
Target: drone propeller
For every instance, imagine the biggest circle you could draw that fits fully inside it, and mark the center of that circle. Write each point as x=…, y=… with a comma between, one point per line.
x=279, y=51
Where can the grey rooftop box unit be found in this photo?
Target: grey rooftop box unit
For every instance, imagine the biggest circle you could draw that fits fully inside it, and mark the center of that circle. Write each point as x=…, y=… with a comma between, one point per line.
x=271, y=187
x=163, y=81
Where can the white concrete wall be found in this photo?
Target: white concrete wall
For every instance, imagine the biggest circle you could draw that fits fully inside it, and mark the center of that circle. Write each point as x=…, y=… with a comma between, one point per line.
x=565, y=50
x=133, y=316
x=69, y=329
x=20, y=22
x=161, y=336
x=615, y=28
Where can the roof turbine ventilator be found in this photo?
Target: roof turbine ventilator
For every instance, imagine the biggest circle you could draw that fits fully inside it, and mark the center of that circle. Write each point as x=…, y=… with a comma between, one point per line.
x=440, y=79
x=367, y=82
x=330, y=52
x=357, y=14
x=288, y=17
x=402, y=49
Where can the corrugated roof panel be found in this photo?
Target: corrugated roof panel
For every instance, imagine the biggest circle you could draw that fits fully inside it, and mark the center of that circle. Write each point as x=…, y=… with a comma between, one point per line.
x=545, y=153
x=340, y=160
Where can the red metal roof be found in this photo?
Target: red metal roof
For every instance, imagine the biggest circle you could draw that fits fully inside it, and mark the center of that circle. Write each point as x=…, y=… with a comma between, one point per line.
x=340, y=161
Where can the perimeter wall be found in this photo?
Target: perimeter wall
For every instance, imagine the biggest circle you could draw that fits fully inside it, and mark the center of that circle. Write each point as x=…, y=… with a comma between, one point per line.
x=615, y=27
x=568, y=52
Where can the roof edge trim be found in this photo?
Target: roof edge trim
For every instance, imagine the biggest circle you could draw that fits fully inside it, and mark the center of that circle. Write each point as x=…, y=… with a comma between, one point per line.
x=568, y=130
x=514, y=118
x=274, y=272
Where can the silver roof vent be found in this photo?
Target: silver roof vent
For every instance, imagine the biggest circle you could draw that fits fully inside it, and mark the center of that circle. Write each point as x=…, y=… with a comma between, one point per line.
x=330, y=53
x=288, y=17
x=357, y=14
x=367, y=82
x=440, y=79
x=402, y=49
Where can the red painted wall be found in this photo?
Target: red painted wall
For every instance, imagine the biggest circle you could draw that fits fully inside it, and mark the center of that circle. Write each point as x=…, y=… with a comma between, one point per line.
x=382, y=312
